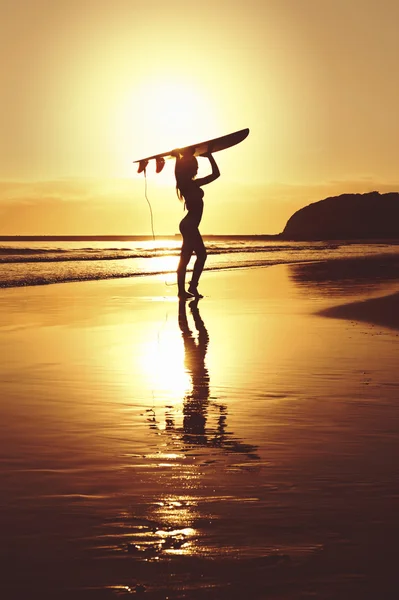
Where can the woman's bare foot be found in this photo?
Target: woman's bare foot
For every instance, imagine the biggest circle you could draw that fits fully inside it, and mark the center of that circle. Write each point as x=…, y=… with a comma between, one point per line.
x=186, y=296
x=194, y=291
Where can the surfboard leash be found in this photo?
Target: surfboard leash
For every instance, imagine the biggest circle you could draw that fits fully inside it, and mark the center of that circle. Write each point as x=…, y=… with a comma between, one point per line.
x=144, y=170
x=148, y=202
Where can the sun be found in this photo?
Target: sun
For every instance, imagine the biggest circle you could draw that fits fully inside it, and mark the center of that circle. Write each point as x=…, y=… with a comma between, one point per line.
x=176, y=111
x=162, y=113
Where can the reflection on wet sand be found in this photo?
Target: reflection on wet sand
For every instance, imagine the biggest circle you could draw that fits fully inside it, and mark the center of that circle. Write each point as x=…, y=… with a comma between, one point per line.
x=196, y=402
x=346, y=276
x=178, y=516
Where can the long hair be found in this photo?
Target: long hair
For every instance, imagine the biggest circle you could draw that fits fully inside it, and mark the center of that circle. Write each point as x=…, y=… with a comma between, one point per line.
x=185, y=170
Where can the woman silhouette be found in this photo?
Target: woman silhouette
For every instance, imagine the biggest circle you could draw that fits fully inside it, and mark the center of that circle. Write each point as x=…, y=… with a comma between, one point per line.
x=189, y=189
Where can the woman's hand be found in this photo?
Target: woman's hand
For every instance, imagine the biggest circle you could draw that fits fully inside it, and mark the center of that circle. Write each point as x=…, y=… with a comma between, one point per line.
x=208, y=153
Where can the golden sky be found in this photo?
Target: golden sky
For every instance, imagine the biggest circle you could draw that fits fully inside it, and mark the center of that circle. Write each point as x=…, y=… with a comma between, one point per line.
x=88, y=86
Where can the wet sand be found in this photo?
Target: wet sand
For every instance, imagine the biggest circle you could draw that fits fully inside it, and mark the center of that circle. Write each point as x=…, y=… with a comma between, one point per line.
x=383, y=311
x=242, y=447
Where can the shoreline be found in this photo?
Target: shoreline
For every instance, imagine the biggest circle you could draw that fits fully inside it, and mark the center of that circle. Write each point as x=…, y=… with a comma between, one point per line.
x=372, y=280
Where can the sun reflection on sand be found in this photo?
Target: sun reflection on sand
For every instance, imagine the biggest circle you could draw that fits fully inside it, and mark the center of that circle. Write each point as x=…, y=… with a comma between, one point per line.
x=162, y=360
x=178, y=514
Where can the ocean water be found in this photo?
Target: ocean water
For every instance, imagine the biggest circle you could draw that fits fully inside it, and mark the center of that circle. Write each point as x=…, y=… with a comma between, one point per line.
x=27, y=263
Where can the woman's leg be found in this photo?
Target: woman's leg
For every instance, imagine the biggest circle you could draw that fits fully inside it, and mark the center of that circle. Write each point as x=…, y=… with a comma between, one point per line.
x=200, y=251
x=185, y=255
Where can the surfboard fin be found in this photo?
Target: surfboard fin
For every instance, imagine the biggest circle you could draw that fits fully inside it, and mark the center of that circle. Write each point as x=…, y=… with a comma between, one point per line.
x=142, y=166
x=160, y=164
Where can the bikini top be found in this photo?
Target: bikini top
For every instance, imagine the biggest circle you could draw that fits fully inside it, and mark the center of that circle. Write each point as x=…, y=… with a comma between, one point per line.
x=193, y=197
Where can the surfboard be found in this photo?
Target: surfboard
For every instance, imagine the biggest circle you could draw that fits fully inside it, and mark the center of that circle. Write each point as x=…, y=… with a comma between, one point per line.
x=215, y=145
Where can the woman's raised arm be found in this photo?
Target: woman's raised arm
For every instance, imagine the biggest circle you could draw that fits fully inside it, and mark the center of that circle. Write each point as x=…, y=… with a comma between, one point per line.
x=215, y=171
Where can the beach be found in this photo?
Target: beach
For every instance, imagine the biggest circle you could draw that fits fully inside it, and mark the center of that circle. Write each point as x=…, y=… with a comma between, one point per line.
x=244, y=446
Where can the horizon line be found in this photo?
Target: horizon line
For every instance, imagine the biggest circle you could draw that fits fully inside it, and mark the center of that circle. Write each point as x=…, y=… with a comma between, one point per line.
x=125, y=236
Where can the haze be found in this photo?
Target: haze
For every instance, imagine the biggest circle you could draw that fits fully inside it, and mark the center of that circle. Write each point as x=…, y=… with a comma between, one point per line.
x=89, y=86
